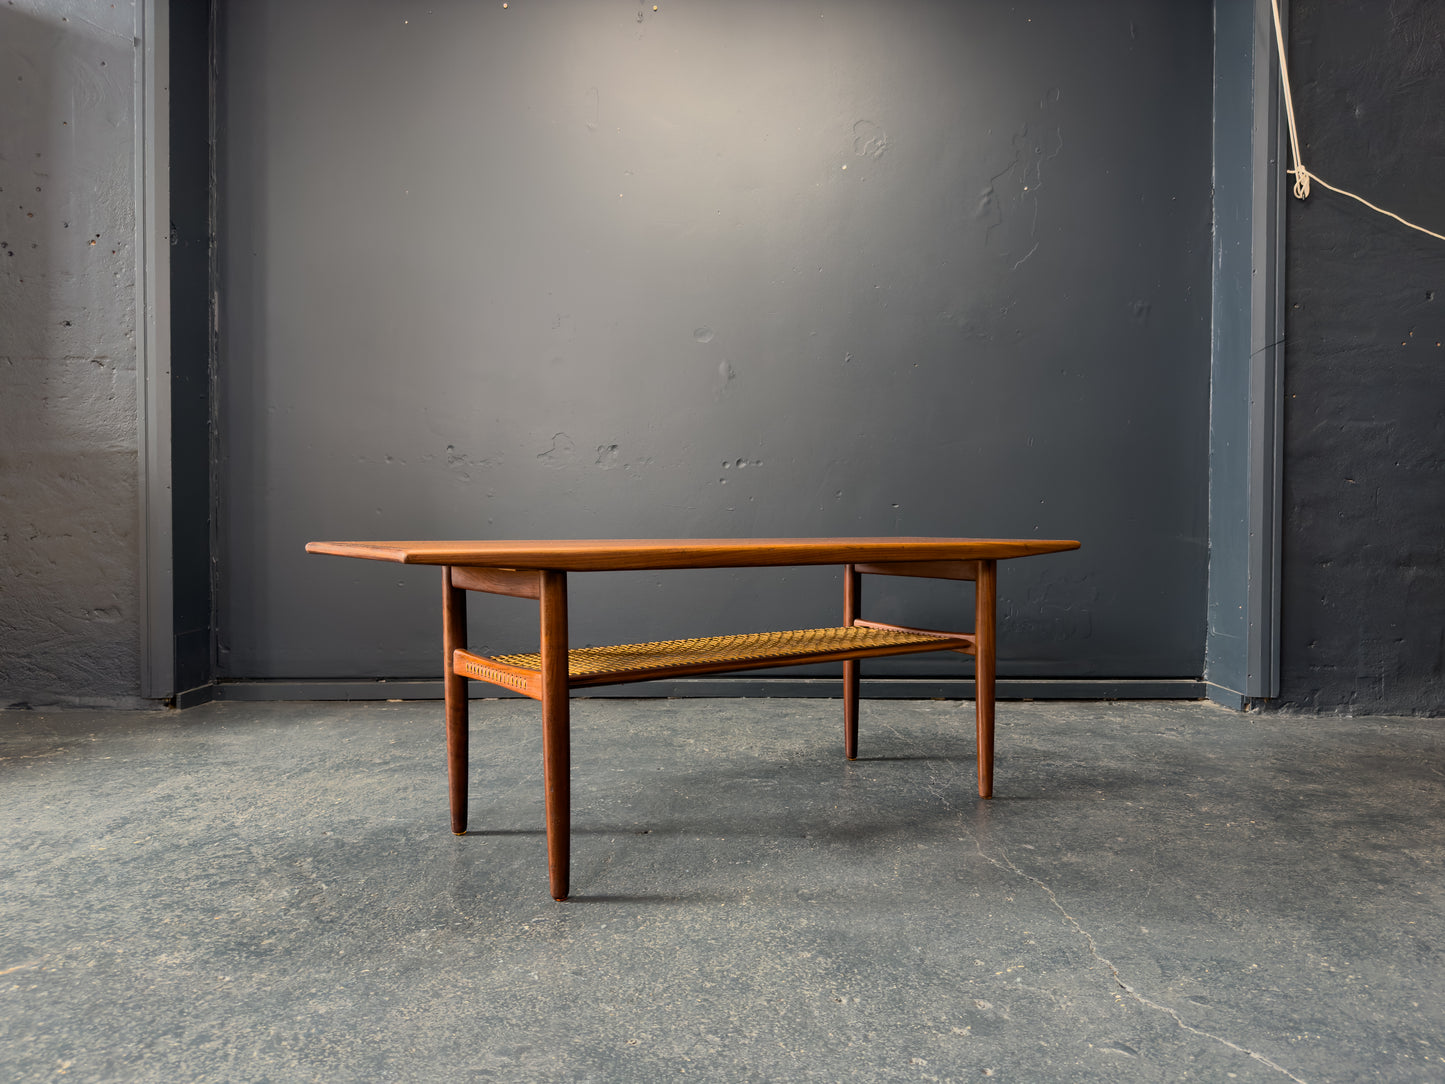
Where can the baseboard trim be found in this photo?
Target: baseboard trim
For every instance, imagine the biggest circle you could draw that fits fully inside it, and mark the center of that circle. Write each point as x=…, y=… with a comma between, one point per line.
x=875, y=688
x=201, y=694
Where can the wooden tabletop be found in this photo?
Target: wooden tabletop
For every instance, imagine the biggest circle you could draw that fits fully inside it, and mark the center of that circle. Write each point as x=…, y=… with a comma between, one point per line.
x=632, y=554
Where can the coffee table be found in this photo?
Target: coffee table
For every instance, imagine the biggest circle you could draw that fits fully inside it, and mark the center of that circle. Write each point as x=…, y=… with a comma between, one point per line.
x=539, y=569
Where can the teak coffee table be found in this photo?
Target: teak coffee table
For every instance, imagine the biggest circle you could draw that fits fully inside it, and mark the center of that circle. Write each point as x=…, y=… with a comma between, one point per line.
x=538, y=570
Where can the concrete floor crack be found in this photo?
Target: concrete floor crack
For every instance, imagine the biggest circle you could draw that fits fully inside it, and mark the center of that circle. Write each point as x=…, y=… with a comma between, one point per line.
x=1003, y=862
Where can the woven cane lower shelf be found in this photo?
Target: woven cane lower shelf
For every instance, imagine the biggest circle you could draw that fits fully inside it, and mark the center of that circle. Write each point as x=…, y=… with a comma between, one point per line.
x=709, y=654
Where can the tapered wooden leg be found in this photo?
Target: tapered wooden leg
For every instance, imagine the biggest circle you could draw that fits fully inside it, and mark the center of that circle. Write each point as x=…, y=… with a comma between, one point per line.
x=454, y=636
x=556, y=731
x=985, y=630
x=852, y=599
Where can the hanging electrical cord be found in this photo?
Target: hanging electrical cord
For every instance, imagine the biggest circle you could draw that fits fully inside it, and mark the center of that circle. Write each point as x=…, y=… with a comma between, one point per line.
x=1302, y=176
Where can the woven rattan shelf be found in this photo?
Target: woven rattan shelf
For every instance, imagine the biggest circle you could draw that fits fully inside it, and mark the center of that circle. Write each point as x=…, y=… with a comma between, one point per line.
x=709, y=654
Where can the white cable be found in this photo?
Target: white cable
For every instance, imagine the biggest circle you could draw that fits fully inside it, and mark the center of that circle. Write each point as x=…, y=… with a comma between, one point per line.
x=1302, y=176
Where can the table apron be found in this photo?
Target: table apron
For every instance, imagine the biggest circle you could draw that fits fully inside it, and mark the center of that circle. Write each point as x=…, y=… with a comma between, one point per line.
x=516, y=582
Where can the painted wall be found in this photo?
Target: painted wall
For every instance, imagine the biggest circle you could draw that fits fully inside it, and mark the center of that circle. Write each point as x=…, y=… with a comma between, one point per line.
x=1364, y=547
x=590, y=269
x=1362, y=599
x=69, y=610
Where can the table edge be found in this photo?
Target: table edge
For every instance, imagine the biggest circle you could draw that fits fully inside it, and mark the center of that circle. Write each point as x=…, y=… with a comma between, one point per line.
x=583, y=555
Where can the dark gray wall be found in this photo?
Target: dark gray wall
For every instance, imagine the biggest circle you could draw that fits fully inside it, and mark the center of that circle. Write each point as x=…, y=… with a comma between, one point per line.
x=1364, y=549
x=587, y=269
x=69, y=558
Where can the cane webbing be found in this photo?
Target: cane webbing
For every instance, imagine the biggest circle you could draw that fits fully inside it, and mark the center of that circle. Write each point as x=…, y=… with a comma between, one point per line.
x=742, y=649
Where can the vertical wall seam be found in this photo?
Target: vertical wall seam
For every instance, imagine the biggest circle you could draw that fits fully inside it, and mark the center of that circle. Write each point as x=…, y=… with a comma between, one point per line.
x=213, y=219
x=153, y=363
x=1266, y=368
x=142, y=349
x=1247, y=332
x=1210, y=467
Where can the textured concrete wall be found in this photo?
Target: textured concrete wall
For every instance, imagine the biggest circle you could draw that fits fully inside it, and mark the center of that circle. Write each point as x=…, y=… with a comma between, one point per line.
x=69, y=607
x=1363, y=623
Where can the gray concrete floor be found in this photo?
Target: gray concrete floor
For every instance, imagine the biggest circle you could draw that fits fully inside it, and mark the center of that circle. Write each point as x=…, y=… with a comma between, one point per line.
x=1160, y=891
